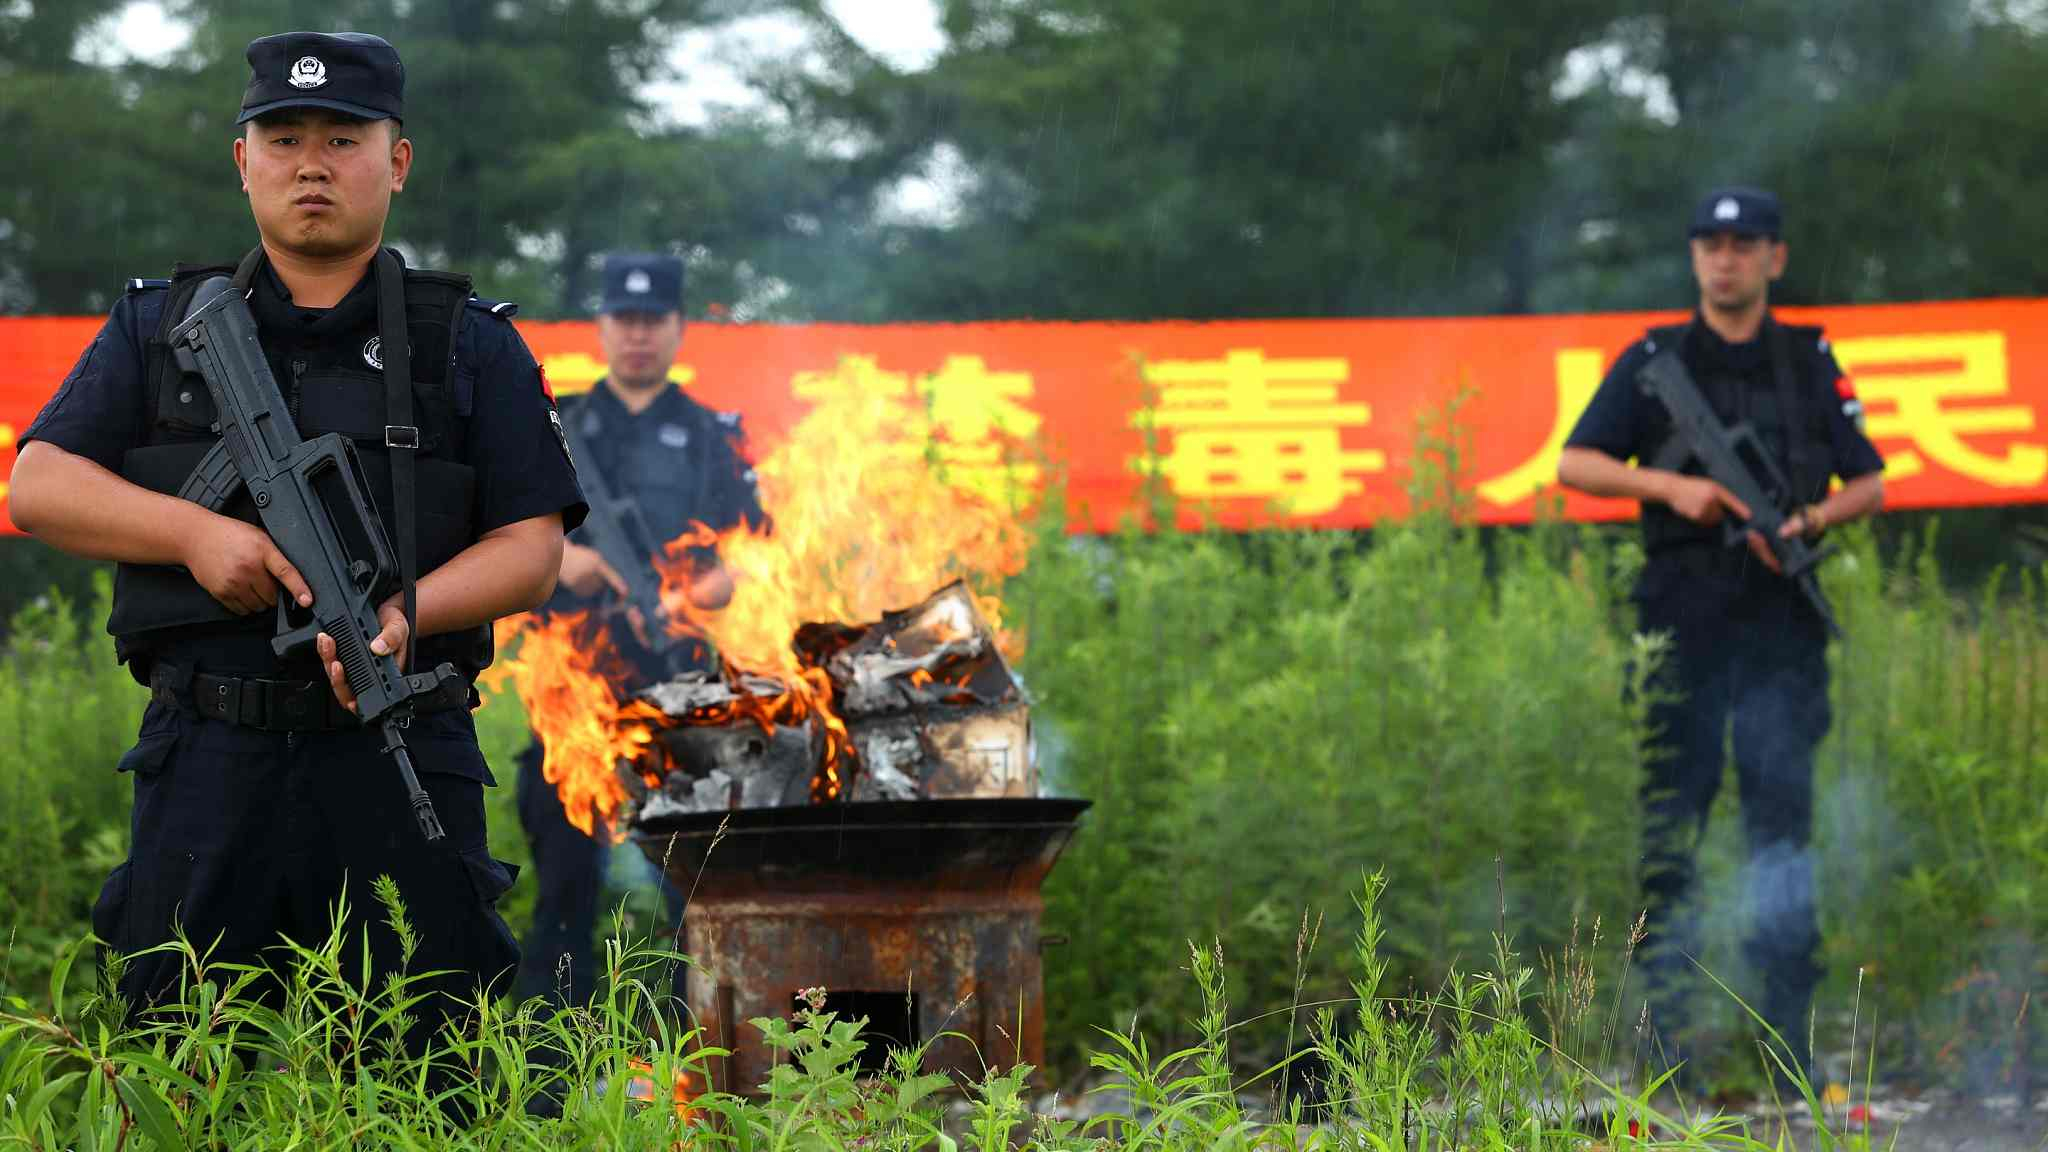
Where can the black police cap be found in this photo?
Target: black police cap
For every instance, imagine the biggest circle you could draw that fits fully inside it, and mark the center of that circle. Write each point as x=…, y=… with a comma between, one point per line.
x=350, y=72
x=1741, y=211
x=642, y=282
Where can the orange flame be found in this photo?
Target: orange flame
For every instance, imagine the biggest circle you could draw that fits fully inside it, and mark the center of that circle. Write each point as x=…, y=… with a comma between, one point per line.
x=560, y=672
x=862, y=521
x=688, y=1086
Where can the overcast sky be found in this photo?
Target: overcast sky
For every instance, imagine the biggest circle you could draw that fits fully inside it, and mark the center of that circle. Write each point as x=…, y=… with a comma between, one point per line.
x=707, y=62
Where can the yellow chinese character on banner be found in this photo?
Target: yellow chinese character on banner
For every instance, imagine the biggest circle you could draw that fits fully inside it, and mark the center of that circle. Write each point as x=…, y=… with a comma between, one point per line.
x=1920, y=389
x=854, y=375
x=978, y=414
x=569, y=373
x=1245, y=427
x=6, y=441
x=967, y=416
x=972, y=404
x=1578, y=376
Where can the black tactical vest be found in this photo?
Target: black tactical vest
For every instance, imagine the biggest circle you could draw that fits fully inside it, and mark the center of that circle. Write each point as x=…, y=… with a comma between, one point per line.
x=1791, y=426
x=662, y=458
x=331, y=387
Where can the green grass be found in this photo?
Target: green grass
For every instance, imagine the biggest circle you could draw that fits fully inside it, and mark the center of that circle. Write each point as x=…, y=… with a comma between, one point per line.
x=321, y=1067
x=1260, y=718
x=67, y=712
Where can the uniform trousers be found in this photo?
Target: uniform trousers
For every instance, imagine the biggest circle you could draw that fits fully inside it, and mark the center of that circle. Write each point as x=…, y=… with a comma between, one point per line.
x=241, y=835
x=1746, y=671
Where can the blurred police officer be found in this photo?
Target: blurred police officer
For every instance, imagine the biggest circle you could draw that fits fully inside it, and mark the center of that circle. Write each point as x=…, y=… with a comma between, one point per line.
x=1746, y=647
x=683, y=464
x=260, y=800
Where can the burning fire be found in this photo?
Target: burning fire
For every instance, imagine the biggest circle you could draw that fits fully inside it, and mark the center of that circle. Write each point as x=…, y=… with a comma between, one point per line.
x=861, y=521
x=559, y=673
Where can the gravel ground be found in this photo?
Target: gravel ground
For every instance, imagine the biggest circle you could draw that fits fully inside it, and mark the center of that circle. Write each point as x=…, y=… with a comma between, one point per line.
x=1933, y=1122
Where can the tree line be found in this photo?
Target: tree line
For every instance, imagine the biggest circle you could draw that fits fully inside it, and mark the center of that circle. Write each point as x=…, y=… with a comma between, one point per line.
x=1099, y=158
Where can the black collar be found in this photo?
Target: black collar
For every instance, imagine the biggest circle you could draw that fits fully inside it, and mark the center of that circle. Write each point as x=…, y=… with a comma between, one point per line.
x=670, y=404
x=1711, y=350
x=277, y=314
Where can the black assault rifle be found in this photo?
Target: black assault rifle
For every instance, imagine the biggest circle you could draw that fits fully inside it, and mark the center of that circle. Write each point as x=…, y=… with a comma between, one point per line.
x=616, y=528
x=315, y=504
x=1736, y=460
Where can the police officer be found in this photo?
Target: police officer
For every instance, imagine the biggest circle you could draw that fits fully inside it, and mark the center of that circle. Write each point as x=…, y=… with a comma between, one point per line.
x=682, y=464
x=1747, y=650
x=260, y=799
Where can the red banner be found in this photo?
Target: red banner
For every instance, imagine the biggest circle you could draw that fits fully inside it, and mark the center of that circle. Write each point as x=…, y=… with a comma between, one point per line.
x=1306, y=422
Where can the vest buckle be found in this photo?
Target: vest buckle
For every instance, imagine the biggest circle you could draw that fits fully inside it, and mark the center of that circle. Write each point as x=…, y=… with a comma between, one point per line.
x=401, y=436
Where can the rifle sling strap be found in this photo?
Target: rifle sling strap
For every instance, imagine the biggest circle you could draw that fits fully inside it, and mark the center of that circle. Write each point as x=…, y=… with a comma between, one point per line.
x=401, y=434
x=1674, y=453
x=1792, y=414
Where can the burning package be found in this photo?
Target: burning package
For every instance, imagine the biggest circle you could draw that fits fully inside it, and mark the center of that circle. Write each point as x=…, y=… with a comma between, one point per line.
x=734, y=759
x=921, y=706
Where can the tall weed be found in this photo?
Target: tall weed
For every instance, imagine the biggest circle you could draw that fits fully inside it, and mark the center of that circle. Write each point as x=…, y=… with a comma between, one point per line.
x=322, y=1066
x=67, y=711
x=1259, y=718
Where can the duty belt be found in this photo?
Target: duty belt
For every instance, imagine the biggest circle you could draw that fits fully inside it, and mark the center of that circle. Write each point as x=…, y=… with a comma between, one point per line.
x=267, y=704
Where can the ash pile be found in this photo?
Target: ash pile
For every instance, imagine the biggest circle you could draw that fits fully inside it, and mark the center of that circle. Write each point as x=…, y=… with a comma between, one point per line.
x=930, y=710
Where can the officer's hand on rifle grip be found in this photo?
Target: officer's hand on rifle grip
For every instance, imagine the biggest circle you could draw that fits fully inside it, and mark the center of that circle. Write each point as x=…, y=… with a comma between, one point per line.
x=1701, y=500
x=239, y=565
x=585, y=573
x=1761, y=549
x=638, y=623
x=392, y=640
x=1806, y=524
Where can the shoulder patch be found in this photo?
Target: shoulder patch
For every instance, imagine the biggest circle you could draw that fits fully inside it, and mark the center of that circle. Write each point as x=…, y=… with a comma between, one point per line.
x=1657, y=337
x=504, y=309
x=1810, y=338
x=562, y=438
